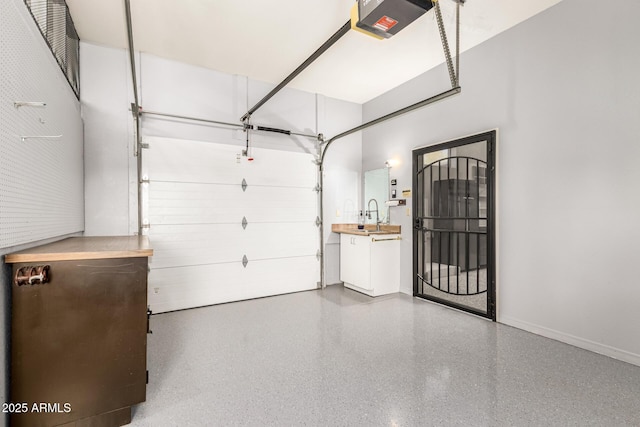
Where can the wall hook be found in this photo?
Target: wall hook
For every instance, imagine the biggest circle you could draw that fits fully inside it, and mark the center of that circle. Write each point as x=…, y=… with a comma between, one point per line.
x=25, y=137
x=19, y=104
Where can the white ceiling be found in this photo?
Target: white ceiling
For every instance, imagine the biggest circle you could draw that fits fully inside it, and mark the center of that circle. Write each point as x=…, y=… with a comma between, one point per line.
x=266, y=40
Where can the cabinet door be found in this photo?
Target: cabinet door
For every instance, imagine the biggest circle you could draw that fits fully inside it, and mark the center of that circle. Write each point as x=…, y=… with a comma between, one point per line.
x=362, y=262
x=355, y=262
x=80, y=339
x=347, y=258
x=385, y=265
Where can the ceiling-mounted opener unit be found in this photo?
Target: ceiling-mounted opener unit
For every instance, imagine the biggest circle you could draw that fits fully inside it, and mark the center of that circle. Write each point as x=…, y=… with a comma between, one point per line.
x=384, y=18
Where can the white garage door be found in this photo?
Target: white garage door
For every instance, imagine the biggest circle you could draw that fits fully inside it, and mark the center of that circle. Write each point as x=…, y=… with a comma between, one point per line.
x=195, y=205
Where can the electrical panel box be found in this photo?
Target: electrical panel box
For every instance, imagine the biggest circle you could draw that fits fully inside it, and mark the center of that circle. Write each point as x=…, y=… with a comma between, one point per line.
x=387, y=17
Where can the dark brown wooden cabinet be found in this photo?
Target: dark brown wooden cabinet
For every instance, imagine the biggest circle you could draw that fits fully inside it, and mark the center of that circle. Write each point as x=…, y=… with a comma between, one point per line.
x=79, y=335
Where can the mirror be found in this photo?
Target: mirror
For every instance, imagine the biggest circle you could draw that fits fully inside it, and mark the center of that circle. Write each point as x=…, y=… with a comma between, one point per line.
x=376, y=186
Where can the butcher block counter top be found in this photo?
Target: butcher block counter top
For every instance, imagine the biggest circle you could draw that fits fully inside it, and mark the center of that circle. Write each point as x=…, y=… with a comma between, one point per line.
x=79, y=248
x=369, y=229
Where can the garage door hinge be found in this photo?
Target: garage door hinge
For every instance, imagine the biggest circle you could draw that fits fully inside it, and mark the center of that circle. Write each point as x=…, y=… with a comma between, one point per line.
x=144, y=145
x=317, y=188
x=245, y=261
x=244, y=184
x=318, y=221
x=318, y=255
x=244, y=222
x=145, y=226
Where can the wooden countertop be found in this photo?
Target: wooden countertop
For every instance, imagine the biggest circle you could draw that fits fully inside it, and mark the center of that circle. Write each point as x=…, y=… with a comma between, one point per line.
x=78, y=248
x=369, y=229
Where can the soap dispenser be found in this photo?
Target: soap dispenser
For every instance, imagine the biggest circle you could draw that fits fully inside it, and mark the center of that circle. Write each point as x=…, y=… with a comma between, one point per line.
x=361, y=221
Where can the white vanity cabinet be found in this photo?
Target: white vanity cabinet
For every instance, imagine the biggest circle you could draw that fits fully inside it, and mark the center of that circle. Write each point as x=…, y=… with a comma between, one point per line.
x=370, y=264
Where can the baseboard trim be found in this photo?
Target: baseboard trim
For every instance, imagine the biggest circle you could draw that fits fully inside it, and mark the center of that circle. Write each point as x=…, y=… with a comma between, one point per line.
x=596, y=347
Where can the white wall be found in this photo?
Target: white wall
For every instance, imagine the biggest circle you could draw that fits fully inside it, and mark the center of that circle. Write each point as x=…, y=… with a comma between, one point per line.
x=342, y=176
x=41, y=185
x=562, y=89
x=106, y=96
x=47, y=171
x=177, y=88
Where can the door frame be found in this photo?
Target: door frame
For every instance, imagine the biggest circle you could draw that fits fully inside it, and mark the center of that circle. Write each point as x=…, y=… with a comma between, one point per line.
x=490, y=138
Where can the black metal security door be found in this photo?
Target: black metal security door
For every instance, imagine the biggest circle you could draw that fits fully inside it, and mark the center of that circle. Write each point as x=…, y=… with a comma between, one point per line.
x=453, y=211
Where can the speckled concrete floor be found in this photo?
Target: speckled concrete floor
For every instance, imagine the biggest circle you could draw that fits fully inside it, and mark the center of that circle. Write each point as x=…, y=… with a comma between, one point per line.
x=339, y=358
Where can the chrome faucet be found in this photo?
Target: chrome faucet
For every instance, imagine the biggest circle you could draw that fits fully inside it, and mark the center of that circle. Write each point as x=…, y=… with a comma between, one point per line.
x=377, y=214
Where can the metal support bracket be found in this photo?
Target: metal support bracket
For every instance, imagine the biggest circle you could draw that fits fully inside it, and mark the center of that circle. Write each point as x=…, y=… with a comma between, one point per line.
x=244, y=222
x=136, y=110
x=244, y=184
x=319, y=142
x=245, y=261
x=149, y=331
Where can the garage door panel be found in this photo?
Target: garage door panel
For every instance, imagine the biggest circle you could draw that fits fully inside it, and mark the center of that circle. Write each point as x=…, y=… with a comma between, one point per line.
x=180, y=203
x=191, y=161
x=187, y=287
x=281, y=168
x=181, y=245
x=204, y=162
